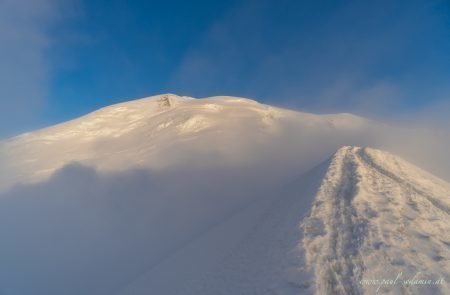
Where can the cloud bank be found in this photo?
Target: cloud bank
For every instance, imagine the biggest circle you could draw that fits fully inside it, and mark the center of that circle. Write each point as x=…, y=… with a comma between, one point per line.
x=82, y=232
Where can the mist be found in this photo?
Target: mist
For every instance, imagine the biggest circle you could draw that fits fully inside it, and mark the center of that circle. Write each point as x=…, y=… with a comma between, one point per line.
x=82, y=232
x=86, y=230
x=93, y=214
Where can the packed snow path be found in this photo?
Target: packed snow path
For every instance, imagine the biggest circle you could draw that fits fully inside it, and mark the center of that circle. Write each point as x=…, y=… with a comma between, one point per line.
x=377, y=217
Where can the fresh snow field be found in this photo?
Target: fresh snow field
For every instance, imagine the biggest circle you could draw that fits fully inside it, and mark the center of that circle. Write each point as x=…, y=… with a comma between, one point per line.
x=223, y=195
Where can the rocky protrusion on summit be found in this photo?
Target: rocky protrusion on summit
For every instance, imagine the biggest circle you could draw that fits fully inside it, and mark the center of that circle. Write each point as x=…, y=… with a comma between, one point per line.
x=170, y=100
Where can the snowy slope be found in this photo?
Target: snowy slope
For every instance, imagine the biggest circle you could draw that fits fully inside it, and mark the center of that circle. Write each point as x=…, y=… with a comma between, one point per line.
x=363, y=215
x=375, y=217
x=173, y=195
x=257, y=251
x=167, y=131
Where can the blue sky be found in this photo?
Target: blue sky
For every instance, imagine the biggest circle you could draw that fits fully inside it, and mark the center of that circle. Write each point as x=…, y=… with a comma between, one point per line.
x=61, y=59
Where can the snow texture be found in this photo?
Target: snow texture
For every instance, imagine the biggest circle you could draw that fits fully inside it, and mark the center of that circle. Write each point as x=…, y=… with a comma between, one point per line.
x=376, y=216
x=178, y=196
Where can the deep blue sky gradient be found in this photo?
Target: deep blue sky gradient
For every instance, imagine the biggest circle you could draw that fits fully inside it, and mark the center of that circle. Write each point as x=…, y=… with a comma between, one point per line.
x=376, y=58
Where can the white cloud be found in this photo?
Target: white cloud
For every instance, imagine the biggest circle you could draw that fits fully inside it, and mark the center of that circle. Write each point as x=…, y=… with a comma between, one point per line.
x=25, y=67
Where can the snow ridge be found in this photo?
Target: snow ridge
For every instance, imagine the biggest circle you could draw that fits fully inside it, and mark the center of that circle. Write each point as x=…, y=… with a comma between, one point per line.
x=332, y=232
x=376, y=217
x=373, y=216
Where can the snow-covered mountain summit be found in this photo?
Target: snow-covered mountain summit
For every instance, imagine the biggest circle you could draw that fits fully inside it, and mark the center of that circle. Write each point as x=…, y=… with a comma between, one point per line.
x=180, y=196
x=164, y=131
